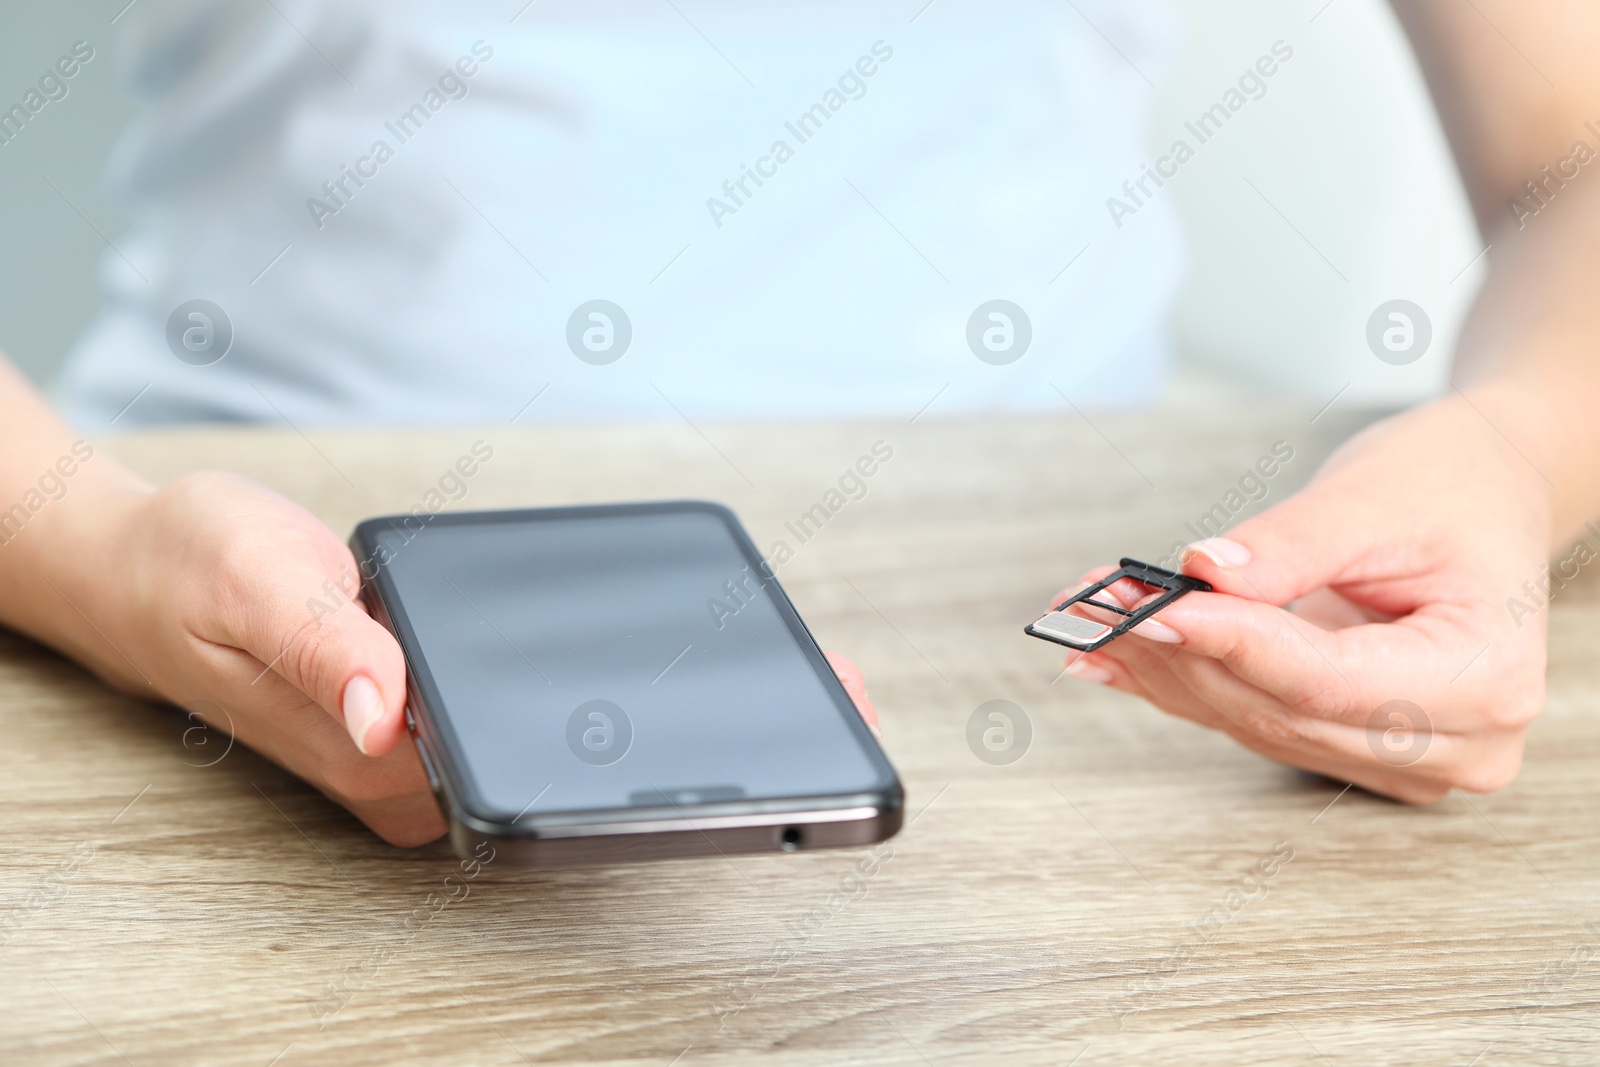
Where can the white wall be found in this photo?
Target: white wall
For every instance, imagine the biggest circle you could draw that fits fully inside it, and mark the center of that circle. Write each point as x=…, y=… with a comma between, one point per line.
x=1346, y=146
x=48, y=252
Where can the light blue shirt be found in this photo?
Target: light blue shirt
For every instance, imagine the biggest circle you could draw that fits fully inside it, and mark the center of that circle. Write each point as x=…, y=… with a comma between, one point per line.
x=797, y=207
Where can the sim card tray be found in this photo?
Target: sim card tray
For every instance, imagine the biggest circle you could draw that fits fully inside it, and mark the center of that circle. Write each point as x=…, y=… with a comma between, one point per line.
x=1086, y=635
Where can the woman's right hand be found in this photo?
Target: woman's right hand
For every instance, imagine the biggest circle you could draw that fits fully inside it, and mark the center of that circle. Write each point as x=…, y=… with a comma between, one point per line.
x=225, y=598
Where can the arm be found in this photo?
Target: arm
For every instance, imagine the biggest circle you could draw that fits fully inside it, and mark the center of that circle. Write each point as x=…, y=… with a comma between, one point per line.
x=1404, y=665
x=196, y=593
x=1527, y=354
x=201, y=593
x=48, y=478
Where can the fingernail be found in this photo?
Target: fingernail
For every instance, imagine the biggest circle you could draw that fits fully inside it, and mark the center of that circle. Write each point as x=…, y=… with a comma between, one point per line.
x=1156, y=630
x=1088, y=672
x=875, y=731
x=363, y=706
x=1219, y=550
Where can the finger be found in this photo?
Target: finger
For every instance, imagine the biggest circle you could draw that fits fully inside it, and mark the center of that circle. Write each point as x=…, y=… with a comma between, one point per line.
x=855, y=683
x=300, y=621
x=1343, y=675
x=1400, y=753
x=1101, y=670
x=1340, y=675
x=1205, y=692
x=1148, y=675
x=1383, y=781
x=1378, y=752
x=1285, y=552
x=390, y=794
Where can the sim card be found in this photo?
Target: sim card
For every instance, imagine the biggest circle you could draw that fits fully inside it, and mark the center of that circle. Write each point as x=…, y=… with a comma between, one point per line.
x=1086, y=635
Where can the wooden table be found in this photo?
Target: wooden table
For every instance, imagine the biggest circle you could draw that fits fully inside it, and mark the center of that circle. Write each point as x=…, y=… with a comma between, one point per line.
x=1089, y=903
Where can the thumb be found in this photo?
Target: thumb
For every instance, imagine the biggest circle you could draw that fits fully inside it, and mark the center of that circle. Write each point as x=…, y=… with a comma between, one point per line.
x=329, y=648
x=1284, y=553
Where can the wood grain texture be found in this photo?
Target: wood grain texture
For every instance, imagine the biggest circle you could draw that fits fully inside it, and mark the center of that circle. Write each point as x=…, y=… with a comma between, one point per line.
x=1089, y=900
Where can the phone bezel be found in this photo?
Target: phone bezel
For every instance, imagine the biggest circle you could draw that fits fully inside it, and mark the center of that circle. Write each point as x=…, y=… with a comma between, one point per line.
x=877, y=811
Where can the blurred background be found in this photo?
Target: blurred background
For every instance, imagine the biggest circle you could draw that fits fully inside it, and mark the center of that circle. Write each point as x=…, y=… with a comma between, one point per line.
x=1331, y=194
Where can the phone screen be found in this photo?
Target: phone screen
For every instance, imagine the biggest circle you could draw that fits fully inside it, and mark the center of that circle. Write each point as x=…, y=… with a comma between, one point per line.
x=608, y=658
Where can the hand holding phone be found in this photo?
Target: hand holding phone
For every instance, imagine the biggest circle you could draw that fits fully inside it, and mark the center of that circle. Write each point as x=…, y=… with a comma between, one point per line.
x=225, y=598
x=220, y=596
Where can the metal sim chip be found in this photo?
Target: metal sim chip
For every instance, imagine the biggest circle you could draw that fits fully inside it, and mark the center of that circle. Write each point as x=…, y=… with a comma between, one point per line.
x=1074, y=628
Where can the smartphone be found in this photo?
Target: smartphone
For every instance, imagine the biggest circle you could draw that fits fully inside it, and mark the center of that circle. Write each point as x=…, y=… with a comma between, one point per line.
x=614, y=683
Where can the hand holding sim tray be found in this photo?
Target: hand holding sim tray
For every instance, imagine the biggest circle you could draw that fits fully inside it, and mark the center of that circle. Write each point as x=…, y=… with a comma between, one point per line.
x=1086, y=635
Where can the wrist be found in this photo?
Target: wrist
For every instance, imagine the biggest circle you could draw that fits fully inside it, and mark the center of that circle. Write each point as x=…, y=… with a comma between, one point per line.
x=64, y=549
x=1442, y=473
x=1549, y=438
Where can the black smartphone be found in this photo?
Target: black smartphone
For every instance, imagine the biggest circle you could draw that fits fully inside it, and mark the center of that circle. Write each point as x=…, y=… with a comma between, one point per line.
x=621, y=682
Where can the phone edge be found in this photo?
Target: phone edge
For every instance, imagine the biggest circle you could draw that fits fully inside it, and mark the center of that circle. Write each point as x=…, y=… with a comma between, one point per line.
x=883, y=811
